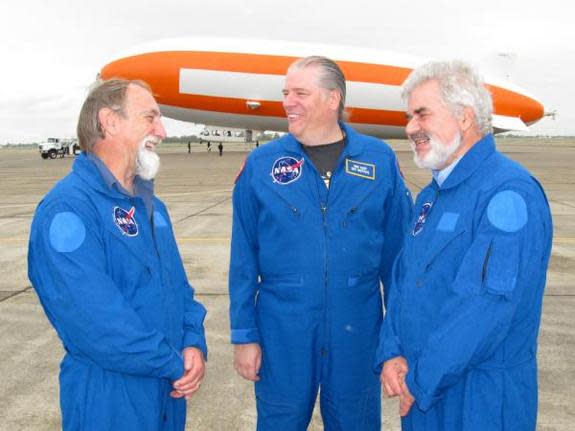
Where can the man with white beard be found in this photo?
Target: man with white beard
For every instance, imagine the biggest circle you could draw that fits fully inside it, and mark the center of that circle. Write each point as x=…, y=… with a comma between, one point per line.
x=106, y=267
x=459, y=339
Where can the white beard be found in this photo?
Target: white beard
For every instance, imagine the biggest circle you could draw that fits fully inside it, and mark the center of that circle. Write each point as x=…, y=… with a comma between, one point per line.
x=147, y=161
x=438, y=154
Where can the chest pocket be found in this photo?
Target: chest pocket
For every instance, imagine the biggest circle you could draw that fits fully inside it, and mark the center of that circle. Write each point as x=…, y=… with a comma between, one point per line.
x=285, y=202
x=129, y=262
x=446, y=248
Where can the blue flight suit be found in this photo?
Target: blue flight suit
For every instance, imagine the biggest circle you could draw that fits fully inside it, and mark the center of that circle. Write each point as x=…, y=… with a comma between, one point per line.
x=112, y=283
x=305, y=272
x=465, y=305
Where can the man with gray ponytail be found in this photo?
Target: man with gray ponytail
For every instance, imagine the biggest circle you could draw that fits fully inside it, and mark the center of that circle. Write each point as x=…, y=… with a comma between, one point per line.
x=104, y=262
x=459, y=340
x=318, y=218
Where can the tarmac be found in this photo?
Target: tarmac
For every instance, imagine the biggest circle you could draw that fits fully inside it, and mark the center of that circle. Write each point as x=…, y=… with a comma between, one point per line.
x=197, y=190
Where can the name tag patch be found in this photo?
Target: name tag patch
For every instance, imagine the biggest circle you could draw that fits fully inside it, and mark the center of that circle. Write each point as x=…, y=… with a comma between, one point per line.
x=448, y=222
x=360, y=169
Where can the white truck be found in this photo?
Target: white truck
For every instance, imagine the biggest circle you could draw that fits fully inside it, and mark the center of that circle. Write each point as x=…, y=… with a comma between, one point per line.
x=58, y=147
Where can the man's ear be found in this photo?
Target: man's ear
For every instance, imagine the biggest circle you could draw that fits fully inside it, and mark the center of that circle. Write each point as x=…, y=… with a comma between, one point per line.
x=467, y=119
x=334, y=98
x=108, y=121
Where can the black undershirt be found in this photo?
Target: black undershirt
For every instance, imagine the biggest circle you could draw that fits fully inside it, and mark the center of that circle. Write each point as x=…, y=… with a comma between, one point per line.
x=324, y=157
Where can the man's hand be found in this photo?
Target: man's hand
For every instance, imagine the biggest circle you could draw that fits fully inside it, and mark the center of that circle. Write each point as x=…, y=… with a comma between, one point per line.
x=247, y=360
x=406, y=400
x=392, y=375
x=194, y=370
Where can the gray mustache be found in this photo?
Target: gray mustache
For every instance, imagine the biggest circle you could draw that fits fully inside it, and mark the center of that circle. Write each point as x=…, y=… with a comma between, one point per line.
x=418, y=135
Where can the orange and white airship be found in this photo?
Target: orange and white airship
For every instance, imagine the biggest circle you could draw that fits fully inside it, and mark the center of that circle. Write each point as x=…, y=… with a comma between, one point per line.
x=238, y=83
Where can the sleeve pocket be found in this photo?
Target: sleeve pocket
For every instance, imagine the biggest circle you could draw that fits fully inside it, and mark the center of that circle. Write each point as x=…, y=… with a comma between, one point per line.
x=501, y=267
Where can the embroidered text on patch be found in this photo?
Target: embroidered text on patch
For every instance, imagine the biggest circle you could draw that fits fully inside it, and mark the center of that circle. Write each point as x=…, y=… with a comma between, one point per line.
x=125, y=221
x=360, y=169
x=286, y=170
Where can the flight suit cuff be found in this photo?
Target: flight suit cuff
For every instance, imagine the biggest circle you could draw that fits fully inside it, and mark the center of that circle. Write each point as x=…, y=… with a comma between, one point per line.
x=424, y=400
x=176, y=367
x=387, y=350
x=198, y=341
x=245, y=336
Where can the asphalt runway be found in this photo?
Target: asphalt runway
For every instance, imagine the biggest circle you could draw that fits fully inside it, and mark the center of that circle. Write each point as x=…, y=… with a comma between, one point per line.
x=197, y=190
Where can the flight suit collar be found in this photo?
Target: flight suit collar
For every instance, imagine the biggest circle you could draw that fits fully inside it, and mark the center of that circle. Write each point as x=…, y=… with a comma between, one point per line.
x=142, y=188
x=470, y=162
x=353, y=145
x=92, y=170
x=88, y=171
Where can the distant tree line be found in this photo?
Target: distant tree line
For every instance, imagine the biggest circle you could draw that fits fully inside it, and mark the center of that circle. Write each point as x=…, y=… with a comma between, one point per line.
x=181, y=139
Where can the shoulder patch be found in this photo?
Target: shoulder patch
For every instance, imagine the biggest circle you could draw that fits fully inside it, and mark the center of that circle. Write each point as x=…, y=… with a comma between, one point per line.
x=507, y=211
x=67, y=232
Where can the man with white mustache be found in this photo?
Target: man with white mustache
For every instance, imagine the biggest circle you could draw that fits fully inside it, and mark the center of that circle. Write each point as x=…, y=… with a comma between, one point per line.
x=106, y=267
x=459, y=340
x=147, y=160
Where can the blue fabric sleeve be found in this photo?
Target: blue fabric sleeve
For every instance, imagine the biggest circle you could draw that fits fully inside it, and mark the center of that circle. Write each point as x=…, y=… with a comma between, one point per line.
x=398, y=208
x=244, y=271
x=485, y=296
x=389, y=340
x=194, y=312
x=194, y=315
x=90, y=314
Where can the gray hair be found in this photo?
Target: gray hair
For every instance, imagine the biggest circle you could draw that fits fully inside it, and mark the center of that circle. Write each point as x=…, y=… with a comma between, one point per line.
x=331, y=77
x=460, y=86
x=109, y=94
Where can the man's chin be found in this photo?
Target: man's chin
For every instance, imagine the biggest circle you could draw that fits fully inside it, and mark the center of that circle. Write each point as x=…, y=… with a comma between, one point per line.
x=148, y=165
x=294, y=129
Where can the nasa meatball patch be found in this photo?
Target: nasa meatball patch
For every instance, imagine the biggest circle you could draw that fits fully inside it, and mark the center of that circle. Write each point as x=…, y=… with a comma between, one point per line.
x=126, y=221
x=286, y=170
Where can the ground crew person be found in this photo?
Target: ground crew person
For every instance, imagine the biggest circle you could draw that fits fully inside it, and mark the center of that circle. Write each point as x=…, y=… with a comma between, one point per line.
x=459, y=339
x=319, y=215
x=104, y=262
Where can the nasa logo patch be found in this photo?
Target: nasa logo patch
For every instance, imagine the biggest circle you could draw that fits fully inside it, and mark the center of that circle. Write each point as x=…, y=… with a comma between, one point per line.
x=286, y=170
x=125, y=221
x=418, y=227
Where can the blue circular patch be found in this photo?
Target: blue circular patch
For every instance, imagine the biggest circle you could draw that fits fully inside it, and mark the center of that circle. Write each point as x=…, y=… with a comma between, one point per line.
x=286, y=170
x=507, y=211
x=67, y=232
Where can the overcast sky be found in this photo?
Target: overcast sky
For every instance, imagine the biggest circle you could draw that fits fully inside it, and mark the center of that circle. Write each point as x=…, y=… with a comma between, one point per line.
x=52, y=50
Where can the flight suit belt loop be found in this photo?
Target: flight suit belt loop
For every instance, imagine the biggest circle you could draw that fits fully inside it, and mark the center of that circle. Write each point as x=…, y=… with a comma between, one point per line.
x=496, y=365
